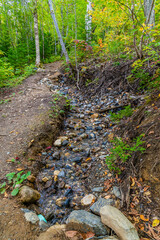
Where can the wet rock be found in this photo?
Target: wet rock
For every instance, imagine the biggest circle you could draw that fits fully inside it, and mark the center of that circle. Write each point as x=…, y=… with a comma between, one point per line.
x=45, y=179
x=56, y=172
x=85, y=222
x=29, y=195
x=114, y=219
x=31, y=217
x=95, y=208
x=60, y=201
x=61, y=174
x=56, y=155
x=98, y=189
x=65, y=143
x=84, y=135
x=77, y=159
x=88, y=199
x=43, y=225
x=116, y=191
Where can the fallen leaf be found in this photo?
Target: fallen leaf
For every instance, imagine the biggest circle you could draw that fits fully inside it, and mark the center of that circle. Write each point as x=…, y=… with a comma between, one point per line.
x=151, y=132
x=19, y=169
x=133, y=182
x=155, y=223
x=148, y=145
x=142, y=217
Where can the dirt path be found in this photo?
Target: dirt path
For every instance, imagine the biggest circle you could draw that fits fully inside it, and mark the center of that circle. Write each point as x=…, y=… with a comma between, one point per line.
x=18, y=116
x=18, y=119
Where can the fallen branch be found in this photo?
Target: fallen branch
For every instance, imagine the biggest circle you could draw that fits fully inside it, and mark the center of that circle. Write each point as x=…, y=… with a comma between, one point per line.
x=112, y=108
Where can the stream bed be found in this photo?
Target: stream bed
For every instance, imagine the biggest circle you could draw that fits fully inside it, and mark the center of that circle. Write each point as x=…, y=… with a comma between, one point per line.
x=75, y=165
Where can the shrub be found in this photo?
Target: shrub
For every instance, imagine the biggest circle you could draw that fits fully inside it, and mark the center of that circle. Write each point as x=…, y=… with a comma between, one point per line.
x=122, y=151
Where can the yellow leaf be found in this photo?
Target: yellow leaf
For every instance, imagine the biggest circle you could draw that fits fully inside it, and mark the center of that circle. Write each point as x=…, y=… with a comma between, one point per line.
x=155, y=223
x=19, y=169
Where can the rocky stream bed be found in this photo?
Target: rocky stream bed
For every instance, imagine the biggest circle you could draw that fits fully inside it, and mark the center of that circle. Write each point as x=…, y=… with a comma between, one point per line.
x=74, y=183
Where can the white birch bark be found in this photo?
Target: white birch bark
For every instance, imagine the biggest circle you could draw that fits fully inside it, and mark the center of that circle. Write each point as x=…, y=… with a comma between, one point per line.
x=149, y=12
x=58, y=31
x=88, y=20
x=35, y=15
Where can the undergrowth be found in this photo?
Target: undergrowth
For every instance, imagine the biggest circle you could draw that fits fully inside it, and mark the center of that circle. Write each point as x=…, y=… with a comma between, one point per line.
x=14, y=180
x=122, y=151
x=126, y=112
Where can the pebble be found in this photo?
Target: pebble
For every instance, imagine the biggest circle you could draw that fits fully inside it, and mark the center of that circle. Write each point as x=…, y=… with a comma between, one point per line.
x=58, y=143
x=56, y=173
x=88, y=200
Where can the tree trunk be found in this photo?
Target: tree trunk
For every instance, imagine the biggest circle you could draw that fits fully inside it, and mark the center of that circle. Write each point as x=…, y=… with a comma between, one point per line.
x=149, y=12
x=58, y=31
x=36, y=34
x=88, y=21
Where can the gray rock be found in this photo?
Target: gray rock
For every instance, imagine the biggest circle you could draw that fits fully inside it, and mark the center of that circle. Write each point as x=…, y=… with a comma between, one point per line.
x=61, y=174
x=58, y=143
x=116, y=192
x=77, y=159
x=31, y=217
x=98, y=189
x=56, y=155
x=95, y=208
x=114, y=219
x=43, y=225
x=29, y=195
x=83, y=221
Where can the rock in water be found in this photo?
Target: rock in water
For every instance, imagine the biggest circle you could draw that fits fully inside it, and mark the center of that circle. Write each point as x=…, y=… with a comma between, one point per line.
x=114, y=219
x=83, y=221
x=29, y=195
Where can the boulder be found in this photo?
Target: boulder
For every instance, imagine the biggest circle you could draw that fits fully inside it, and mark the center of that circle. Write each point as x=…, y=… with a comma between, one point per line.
x=114, y=219
x=95, y=208
x=83, y=221
x=29, y=195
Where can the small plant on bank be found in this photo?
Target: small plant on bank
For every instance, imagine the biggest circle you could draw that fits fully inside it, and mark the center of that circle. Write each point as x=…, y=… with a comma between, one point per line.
x=122, y=151
x=14, y=179
x=126, y=112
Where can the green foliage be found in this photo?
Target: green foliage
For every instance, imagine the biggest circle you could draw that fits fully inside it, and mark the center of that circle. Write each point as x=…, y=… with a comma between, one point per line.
x=122, y=151
x=14, y=179
x=18, y=77
x=126, y=112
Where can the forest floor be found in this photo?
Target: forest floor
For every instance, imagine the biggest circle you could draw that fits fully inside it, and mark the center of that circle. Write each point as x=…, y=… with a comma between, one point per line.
x=24, y=135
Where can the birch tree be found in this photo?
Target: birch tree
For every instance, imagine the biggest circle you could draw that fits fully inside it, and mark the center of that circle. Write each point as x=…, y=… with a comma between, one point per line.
x=149, y=12
x=88, y=21
x=57, y=30
x=36, y=33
